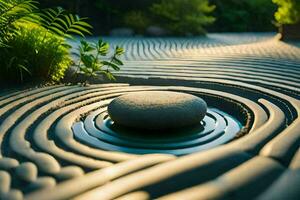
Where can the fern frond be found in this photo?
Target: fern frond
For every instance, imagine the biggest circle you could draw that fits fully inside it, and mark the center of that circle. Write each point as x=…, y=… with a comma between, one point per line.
x=14, y=11
x=50, y=16
x=64, y=24
x=9, y=7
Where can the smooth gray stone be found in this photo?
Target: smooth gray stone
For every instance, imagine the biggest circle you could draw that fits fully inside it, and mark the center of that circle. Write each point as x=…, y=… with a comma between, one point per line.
x=156, y=31
x=121, y=32
x=154, y=110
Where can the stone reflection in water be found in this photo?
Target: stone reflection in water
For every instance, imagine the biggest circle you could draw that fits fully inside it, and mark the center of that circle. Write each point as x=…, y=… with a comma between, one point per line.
x=157, y=122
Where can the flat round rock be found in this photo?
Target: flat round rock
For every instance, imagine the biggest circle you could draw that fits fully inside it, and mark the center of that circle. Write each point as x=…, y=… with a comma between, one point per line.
x=157, y=110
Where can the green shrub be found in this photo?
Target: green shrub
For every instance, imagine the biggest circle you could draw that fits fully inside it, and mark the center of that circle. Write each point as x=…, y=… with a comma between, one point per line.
x=243, y=15
x=33, y=43
x=34, y=54
x=183, y=16
x=288, y=11
x=137, y=20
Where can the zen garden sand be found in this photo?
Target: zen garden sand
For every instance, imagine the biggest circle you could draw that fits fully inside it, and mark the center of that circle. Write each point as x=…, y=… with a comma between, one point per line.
x=58, y=142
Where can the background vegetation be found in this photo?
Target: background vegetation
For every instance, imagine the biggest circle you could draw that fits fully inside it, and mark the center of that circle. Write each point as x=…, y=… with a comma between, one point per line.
x=230, y=15
x=182, y=17
x=243, y=16
x=288, y=11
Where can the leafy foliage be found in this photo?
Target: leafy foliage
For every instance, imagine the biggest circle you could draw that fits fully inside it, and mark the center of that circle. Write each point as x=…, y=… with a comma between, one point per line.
x=183, y=16
x=231, y=15
x=91, y=64
x=12, y=12
x=137, y=20
x=243, y=15
x=64, y=24
x=33, y=42
x=288, y=11
x=32, y=56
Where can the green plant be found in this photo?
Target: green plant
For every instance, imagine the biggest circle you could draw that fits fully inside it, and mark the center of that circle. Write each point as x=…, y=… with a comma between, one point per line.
x=91, y=64
x=243, y=16
x=288, y=11
x=137, y=20
x=64, y=24
x=32, y=56
x=183, y=16
x=13, y=12
x=33, y=42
